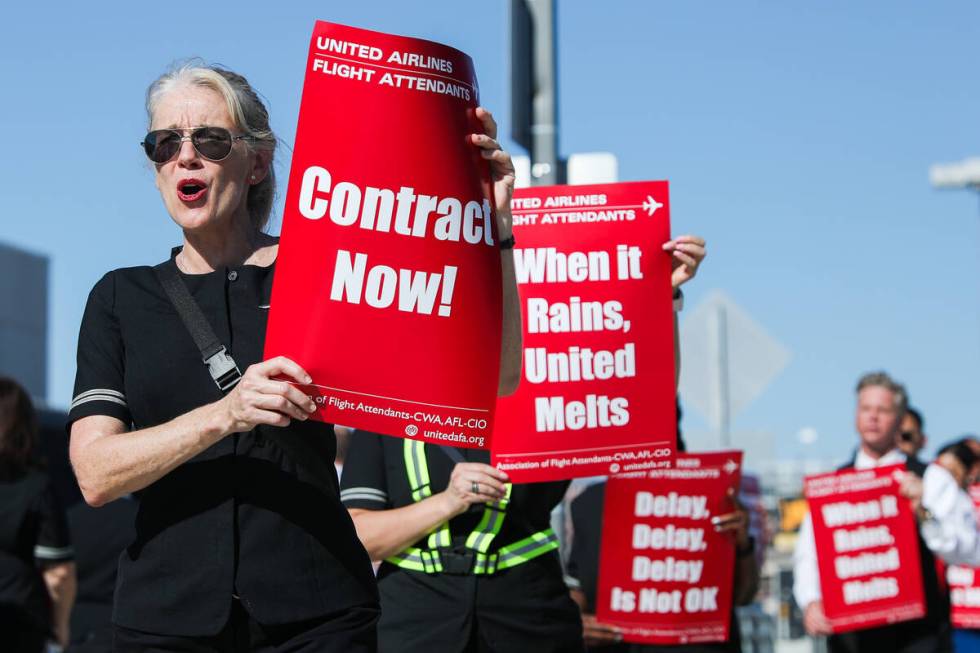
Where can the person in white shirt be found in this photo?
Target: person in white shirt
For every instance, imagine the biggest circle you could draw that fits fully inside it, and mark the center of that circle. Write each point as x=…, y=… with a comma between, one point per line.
x=938, y=503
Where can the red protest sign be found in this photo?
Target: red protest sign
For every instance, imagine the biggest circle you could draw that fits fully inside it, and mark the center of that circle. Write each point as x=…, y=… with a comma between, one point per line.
x=665, y=574
x=964, y=585
x=597, y=393
x=387, y=287
x=867, y=548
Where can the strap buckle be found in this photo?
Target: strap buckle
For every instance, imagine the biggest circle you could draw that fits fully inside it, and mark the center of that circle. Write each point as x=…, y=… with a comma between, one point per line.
x=223, y=369
x=457, y=562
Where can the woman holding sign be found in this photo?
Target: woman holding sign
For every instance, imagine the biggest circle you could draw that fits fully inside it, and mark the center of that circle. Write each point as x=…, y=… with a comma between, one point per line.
x=469, y=562
x=242, y=543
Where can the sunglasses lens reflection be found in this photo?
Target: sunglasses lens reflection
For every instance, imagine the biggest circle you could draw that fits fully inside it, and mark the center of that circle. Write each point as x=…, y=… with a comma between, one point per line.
x=213, y=143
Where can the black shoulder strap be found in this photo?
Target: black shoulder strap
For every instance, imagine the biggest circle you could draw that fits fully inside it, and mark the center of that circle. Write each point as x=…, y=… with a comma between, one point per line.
x=453, y=453
x=220, y=364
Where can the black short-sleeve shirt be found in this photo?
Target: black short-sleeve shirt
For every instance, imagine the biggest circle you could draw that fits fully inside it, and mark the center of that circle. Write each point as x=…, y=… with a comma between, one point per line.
x=33, y=532
x=257, y=514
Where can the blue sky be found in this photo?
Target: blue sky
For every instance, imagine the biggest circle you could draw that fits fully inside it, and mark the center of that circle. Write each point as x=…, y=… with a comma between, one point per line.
x=797, y=139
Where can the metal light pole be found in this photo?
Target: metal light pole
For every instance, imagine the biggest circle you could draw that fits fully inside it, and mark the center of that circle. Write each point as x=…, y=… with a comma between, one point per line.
x=718, y=328
x=534, y=86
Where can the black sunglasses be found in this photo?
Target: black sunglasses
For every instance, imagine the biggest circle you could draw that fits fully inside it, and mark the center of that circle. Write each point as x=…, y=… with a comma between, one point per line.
x=213, y=143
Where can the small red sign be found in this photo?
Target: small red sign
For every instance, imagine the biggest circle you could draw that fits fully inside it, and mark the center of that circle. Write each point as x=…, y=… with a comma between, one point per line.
x=867, y=548
x=597, y=394
x=964, y=585
x=388, y=282
x=665, y=574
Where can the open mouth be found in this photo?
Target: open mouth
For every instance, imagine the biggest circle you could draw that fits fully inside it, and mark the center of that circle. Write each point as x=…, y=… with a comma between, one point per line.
x=190, y=190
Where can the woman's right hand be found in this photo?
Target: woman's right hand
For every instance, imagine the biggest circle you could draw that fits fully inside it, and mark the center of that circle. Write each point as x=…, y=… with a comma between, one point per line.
x=466, y=477
x=258, y=398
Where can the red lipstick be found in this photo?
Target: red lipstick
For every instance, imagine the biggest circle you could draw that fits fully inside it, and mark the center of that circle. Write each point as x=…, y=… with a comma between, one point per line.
x=190, y=190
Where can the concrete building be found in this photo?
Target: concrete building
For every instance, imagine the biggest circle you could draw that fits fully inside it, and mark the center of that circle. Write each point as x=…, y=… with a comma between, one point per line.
x=24, y=319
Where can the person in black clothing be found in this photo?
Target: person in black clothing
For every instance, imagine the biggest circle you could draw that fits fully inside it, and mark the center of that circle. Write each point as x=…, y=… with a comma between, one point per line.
x=37, y=575
x=468, y=561
x=459, y=550
x=241, y=541
x=912, y=436
x=99, y=535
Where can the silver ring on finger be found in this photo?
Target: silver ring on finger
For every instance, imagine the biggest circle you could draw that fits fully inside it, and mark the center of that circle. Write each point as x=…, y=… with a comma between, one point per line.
x=475, y=487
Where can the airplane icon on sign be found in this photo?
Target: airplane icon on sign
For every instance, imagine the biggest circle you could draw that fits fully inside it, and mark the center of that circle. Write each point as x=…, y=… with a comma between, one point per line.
x=651, y=205
x=730, y=466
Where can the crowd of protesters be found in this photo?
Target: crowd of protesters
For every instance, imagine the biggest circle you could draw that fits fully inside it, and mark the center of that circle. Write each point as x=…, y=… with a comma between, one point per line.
x=241, y=538
x=43, y=547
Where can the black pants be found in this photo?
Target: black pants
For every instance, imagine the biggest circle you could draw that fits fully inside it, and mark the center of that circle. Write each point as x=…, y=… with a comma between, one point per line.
x=908, y=637
x=524, y=609
x=353, y=631
x=18, y=633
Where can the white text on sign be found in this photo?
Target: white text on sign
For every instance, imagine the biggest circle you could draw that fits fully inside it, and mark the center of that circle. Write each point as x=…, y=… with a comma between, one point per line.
x=878, y=564
x=406, y=213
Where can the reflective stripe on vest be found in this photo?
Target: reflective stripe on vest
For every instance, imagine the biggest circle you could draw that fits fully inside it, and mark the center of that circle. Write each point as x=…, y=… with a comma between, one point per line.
x=490, y=523
x=418, y=480
x=430, y=562
x=509, y=556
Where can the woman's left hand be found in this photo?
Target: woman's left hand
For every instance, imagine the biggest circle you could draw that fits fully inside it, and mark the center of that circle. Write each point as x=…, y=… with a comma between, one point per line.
x=736, y=522
x=687, y=252
x=501, y=171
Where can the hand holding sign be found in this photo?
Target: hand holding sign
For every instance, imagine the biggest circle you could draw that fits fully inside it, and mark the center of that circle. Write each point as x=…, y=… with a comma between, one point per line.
x=910, y=487
x=815, y=621
x=687, y=252
x=258, y=398
x=501, y=171
x=736, y=522
x=472, y=483
x=595, y=633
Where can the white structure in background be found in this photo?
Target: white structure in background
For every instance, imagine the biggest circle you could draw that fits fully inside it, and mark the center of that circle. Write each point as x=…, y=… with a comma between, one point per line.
x=964, y=174
x=728, y=359
x=24, y=319
x=582, y=168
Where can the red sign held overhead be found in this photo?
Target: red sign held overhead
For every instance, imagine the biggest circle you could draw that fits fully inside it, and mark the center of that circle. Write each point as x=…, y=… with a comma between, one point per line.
x=665, y=574
x=387, y=287
x=597, y=394
x=867, y=548
x=964, y=585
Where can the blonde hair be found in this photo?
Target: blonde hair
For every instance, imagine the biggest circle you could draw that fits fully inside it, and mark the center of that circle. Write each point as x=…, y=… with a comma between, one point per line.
x=247, y=111
x=882, y=380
